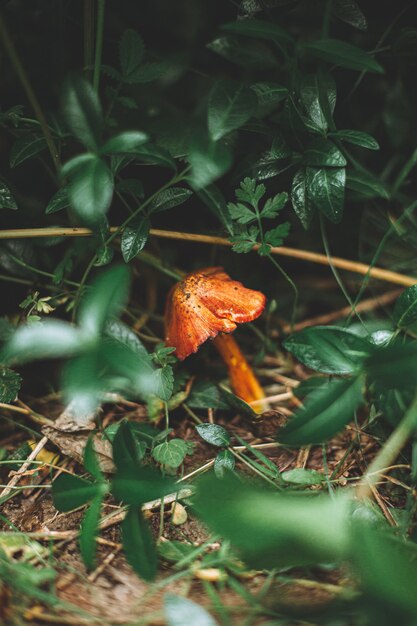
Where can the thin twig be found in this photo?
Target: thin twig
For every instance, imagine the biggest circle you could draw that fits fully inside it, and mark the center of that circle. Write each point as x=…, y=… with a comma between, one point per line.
x=42, y=443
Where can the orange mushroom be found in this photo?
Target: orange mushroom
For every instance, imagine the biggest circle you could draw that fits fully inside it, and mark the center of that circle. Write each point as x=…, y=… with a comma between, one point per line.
x=209, y=304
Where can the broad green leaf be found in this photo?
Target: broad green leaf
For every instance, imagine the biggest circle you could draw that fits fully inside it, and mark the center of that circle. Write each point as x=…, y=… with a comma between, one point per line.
x=134, y=237
x=405, y=310
x=134, y=373
x=230, y=106
x=237, y=403
x=357, y=138
x=275, y=530
x=104, y=300
x=7, y=200
x=26, y=147
x=324, y=153
x=164, y=382
x=136, y=486
x=88, y=532
x=180, y=611
x=394, y=366
x=214, y=434
x=269, y=95
x=206, y=395
x=44, y=340
x=169, y=198
x=83, y=384
x=171, y=452
x=318, y=94
x=327, y=190
x=154, y=155
x=224, y=462
x=91, y=191
x=327, y=411
x=124, y=143
x=124, y=334
x=82, y=111
x=214, y=200
x=209, y=160
x=91, y=463
x=138, y=545
x=300, y=199
x=329, y=349
x=10, y=383
x=69, y=492
x=302, y=476
x=131, y=51
x=58, y=202
x=343, y=54
x=365, y=186
x=259, y=29
x=128, y=451
x=71, y=167
x=349, y=11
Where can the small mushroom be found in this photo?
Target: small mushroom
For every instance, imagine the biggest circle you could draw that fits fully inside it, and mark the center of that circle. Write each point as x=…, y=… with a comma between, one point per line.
x=209, y=304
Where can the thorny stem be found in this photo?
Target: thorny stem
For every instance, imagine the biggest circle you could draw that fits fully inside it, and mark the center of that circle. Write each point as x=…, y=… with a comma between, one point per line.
x=389, y=451
x=31, y=96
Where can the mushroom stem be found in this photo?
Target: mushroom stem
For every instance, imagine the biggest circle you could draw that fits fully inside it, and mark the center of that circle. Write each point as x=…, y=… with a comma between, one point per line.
x=242, y=378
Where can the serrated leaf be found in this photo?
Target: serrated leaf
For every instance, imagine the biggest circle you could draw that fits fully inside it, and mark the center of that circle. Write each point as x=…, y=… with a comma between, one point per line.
x=349, y=11
x=69, y=492
x=250, y=191
x=214, y=434
x=300, y=199
x=91, y=191
x=241, y=213
x=327, y=411
x=7, y=200
x=138, y=545
x=10, y=383
x=324, y=153
x=327, y=190
x=169, y=198
x=171, y=452
x=357, y=138
x=276, y=236
x=148, y=72
x=405, y=310
x=274, y=205
x=230, y=106
x=131, y=51
x=127, y=142
x=134, y=237
x=88, y=532
x=180, y=611
x=258, y=28
x=45, y=340
x=82, y=111
x=58, y=202
x=343, y=54
x=26, y=147
x=329, y=349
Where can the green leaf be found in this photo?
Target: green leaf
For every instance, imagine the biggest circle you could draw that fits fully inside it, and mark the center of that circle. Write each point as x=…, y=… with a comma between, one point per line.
x=10, y=383
x=148, y=72
x=300, y=199
x=240, y=213
x=82, y=111
x=7, y=200
x=138, y=545
x=91, y=191
x=88, y=532
x=230, y=106
x=180, y=611
x=250, y=192
x=44, y=340
x=302, y=476
x=329, y=349
x=206, y=395
x=131, y=51
x=366, y=186
x=137, y=485
x=324, y=153
x=259, y=29
x=405, y=310
x=255, y=55
x=275, y=530
x=128, y=451
x=124, y=143
x=83, y=385
x=209, y=160
x=164, y=381
x=276, y=236
x=269, y=95
x=394, y=366
x=91, y=463
x=357, y=138
x=104, y=300
x=171, y=453
x=154, y=155
x=343, y=54
x=58, y=202
x=121, y=332
x=26, y=147
x=224, y=462
x=169, y=198
x=349, y=11
x=214, y=200
x=327, y=190
x=134, y=237
x=318, y=95
x=134, y=372
x=328, y=410
x=237, y=403
x=274, y=205
x=214, y=434
x=69, y=492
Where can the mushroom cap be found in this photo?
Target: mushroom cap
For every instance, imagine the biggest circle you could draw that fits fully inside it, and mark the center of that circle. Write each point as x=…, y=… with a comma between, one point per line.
x=205, y=303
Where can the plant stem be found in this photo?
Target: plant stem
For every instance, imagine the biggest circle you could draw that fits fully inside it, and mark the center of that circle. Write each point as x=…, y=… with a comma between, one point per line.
x=88, y=24
x=31, y=96
x=99, y=44
x=293, y=286
x=389, y=451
